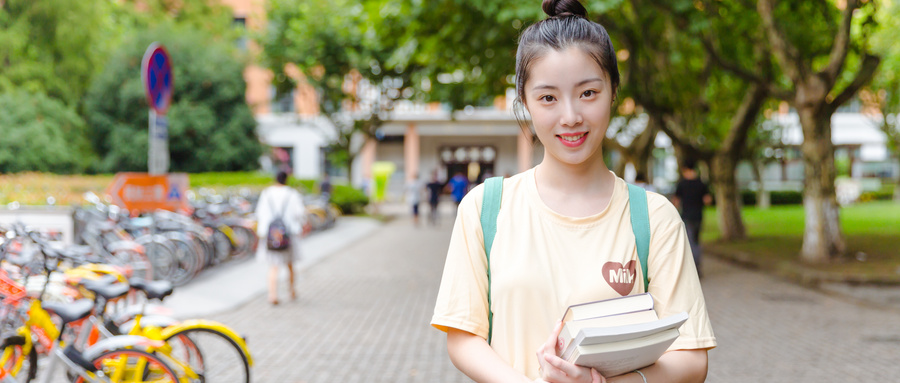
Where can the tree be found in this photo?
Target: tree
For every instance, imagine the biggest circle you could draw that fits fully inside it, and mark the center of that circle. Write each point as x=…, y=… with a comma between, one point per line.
x=884, y=93
x=40, y=134
x=54, y=46
x=362, y=60
x=816, y=91
x=210, y=126
x=707, y=112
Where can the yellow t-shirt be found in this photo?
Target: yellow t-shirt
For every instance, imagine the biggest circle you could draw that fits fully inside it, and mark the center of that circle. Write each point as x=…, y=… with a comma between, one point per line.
x=542, y=262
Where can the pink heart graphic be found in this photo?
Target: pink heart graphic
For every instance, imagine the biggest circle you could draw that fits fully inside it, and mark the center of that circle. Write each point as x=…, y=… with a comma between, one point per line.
x=620, y=278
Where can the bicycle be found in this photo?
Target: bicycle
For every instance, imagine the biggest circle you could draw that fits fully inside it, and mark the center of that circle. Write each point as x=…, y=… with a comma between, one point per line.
x=113, y=360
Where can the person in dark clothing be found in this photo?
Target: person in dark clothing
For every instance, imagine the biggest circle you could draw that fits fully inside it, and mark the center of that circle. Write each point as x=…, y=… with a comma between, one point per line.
x=691, y=195
x=435, y=187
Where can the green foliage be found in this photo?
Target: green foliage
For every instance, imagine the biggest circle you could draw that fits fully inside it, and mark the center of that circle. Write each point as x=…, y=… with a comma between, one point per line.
x=884, y=92
x=349, y=199
x=211, y=179
x=886, y=193
x=210, y=126
x=307, y=186
x=55, y=46
x=38, y=133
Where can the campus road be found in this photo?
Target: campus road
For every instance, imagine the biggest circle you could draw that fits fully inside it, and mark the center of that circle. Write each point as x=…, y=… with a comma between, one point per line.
x=363, y=313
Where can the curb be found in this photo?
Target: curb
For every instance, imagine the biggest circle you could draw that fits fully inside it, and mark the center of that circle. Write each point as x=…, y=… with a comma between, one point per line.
x=801, y=274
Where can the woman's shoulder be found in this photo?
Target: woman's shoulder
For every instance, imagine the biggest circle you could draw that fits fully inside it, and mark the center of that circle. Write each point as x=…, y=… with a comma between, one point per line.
x=663, y=214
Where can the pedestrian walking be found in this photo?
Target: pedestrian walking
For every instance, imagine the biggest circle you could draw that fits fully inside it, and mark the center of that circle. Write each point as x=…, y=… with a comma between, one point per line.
x=691, y=195
x=414, y=190
x=435, y=187
x=281, y=220
x=563, y=233
x=459, y=186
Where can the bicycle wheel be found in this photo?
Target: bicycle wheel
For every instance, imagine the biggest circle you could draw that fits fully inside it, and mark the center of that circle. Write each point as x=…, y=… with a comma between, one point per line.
x=246, y=240
x=222, y=246
x=186, y=265
x=161, y=255
x=130, y=365
x=16, y=361
x=140, y=264
x=211, y=354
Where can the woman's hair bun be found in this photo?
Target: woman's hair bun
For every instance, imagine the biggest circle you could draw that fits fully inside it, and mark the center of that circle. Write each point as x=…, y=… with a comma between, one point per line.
x=564, y=8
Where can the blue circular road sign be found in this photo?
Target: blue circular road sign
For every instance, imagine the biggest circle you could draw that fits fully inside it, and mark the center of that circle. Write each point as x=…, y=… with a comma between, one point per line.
x=156, y=71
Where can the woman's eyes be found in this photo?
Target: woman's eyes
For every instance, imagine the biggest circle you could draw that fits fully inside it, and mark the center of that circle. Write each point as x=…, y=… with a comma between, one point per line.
x=587, y=94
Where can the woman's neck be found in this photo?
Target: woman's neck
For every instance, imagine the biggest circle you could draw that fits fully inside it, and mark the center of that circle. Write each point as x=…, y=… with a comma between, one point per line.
x=574, y=190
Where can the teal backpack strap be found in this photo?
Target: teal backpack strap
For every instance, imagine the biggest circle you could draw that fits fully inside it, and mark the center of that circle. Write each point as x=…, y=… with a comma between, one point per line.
x=640, y=225
x=490, y=208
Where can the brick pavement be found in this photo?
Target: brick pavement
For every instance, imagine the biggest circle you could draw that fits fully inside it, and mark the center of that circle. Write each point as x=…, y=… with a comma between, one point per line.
x=363, y=315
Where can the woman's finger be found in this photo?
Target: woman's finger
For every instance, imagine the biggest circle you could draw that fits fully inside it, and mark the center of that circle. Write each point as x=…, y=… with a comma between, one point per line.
x=552, y=344
x=566, y=368
x=596, y=377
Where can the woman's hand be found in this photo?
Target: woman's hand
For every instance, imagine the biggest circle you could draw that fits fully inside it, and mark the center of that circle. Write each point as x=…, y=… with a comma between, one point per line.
x=556, y=370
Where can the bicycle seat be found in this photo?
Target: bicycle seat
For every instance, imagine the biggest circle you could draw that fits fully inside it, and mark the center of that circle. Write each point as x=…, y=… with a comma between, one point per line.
x=154, y=289
x=106, y=287
x=69, y=312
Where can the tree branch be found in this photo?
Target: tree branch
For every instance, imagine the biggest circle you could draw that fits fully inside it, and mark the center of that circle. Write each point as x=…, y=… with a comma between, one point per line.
x=841, y=44
x=743, y=120
x=783, y=50
x=729, y=66
x=863, y=76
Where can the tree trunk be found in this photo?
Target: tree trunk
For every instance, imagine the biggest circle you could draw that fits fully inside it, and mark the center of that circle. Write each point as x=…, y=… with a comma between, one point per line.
x=728, y=205
x=822, y=236
x=897, y=190
x=760, y=186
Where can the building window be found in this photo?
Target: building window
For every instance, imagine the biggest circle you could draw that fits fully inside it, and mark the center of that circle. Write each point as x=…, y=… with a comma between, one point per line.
x=240, y=23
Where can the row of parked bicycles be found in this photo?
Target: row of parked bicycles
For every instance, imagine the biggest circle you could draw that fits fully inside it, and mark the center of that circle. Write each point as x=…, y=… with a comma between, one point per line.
x=163, y=245
x=93, y=308
x=100, y=322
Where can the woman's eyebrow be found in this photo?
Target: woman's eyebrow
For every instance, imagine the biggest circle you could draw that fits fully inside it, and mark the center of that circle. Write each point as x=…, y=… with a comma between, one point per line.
x=580, y=83
x=585, y=81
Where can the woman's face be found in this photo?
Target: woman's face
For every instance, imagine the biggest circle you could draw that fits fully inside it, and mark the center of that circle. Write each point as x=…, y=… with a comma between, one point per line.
x=569, y=97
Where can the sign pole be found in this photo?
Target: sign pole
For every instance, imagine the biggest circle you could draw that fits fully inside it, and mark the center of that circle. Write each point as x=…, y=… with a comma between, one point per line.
x=156, y=74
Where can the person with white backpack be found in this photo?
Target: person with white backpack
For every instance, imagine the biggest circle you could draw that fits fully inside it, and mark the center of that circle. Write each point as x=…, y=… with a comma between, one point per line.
x=281, y=220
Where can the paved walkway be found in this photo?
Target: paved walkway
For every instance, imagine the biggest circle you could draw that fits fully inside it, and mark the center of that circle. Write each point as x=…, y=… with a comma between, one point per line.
x=363, y=313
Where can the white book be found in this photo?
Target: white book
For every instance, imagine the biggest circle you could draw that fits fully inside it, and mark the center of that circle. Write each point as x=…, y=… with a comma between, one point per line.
x=571, y=329
x=616, y=358
x=607, y=307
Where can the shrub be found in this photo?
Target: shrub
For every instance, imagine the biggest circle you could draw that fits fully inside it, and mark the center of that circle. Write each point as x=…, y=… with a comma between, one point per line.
x=884, y=194
x=307, y=186
x=349, y=199
x=783, y=197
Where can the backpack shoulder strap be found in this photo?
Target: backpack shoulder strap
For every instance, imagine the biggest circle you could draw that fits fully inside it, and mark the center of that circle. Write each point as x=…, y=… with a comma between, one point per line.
x=490, y=208
x=640, y=225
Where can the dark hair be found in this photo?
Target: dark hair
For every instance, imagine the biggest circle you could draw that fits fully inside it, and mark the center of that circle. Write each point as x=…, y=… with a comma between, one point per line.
x=689, y=163
x=281, y=177
x=566, y=26
x=640, y=177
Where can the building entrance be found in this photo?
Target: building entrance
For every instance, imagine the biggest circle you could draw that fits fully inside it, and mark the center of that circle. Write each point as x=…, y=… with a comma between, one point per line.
x=476, y=162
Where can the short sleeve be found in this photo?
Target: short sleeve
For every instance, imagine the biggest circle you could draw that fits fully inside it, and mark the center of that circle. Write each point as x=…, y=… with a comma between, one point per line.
x=462, y=299
x=674, y=283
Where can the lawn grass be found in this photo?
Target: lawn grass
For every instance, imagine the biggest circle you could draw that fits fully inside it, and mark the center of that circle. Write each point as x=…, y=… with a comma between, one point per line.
x=775, y=235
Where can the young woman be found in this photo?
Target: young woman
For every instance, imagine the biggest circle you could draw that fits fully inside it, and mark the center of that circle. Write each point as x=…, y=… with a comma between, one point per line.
x=563, y=225
x=280, y=200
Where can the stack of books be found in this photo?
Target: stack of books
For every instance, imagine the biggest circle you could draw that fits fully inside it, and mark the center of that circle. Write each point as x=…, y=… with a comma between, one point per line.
x=618, y=335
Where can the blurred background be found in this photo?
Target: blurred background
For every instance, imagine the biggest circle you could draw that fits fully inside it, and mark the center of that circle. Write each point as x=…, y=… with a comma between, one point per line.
x=789, y=107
